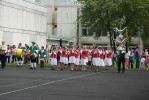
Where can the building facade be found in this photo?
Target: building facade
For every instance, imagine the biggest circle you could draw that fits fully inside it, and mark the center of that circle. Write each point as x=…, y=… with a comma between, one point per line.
x=22, y=21
x=62, y=21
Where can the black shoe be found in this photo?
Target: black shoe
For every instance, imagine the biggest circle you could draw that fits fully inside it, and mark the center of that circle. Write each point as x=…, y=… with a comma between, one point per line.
x=94, y=70
x=52, y=68
x=30, y=68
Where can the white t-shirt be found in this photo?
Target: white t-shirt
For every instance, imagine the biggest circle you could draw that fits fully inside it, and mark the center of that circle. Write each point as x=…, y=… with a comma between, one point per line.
x=142, y=60
x=127, y=55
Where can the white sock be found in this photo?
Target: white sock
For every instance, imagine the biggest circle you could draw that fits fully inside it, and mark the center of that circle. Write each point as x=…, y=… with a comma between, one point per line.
x=34, y=64
x=21, y=62
x=18, y=62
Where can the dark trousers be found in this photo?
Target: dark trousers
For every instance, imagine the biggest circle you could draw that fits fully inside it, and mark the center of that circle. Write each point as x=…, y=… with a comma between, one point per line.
x=41, y=63
x=19, y=58
x=131, y=64
x=37, y=60
x=137, y=62
x=33, y=60
x=8, y=59
x=14, y=58
x=3, y=60
x=121, y=60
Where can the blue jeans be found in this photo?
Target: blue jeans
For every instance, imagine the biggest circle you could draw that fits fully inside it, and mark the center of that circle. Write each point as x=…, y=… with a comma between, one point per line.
x=137, y=62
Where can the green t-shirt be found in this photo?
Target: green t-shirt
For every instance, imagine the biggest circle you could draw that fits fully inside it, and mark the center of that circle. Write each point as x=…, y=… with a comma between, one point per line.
x=42, y=53
x=33, y=48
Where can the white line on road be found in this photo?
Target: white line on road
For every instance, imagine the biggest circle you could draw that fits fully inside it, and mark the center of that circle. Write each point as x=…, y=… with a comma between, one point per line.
x=46, y=84
x=33, y=81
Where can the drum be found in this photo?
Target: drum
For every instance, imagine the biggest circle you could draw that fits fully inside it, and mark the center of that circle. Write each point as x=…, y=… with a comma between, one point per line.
x=42, y=59
x=34, y=55
x=19, y=53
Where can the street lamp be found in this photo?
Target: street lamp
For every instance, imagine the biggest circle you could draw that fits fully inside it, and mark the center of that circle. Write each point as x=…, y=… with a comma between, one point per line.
x=119, y=35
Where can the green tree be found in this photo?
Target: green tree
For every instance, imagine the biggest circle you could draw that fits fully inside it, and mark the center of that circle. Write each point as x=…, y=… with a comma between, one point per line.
x=101, y=16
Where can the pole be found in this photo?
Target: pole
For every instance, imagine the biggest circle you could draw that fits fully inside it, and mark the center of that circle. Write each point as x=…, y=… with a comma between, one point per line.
x=114, y=42
x=60, y=42
x=126, y=41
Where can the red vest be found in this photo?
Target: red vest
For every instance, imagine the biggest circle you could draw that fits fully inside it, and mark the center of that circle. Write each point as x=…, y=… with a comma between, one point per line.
x=72, y=52
x=64, y=53
x=54, y=54
x=77, y=53
x=101, y=54
x=109, y=54
x=94, y=53
x=84, y=54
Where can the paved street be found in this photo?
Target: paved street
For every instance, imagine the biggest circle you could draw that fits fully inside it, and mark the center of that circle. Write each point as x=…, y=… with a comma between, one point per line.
x=45, y=84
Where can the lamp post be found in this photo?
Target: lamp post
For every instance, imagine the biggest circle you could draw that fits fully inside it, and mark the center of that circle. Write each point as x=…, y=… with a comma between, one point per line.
x=119, y=35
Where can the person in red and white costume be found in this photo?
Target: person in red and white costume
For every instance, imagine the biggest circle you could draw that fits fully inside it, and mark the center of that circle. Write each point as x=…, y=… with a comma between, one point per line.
x=53, y=58
x=72, y=57
x=95, y=58
x=84, y=59
x=108, y=57
x=101, y=57
x=77, y=58
x=64, y=57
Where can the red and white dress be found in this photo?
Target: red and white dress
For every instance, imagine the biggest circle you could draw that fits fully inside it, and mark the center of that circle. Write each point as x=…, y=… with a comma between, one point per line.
x=108, y=58
x=101, y=58
x=72, y=56
x=53, y=58
x=64, y=57
x=84, y=55
x=95, y=58
x=146, y=58
x=77, y=57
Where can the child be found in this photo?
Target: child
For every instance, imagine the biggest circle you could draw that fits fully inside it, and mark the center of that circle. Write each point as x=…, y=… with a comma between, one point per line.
x=131, y=59
x=127, y=60
x=142, y=61
x=147, y=61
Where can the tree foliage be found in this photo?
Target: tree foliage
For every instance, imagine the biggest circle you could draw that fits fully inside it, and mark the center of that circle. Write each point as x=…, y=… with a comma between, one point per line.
x=101, y=16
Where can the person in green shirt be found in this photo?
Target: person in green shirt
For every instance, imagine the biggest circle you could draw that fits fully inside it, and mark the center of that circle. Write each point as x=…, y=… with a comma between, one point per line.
x=42, y=55
x=33, y=51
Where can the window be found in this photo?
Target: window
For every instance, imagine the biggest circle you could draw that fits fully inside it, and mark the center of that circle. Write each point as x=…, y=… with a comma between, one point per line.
x=55, y=26
x=84, y=31
x=55, y=9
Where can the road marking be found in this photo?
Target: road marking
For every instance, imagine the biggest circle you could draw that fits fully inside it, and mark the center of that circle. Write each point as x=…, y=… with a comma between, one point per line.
x=46, y=84
x=12, y=98
x=34, y=80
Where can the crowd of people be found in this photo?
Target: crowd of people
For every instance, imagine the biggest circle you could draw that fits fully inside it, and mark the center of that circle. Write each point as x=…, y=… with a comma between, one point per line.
x=74, y=57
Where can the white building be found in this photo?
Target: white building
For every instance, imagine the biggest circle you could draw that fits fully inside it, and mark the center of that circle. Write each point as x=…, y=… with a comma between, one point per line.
x=62, y=21
x=22, y=21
